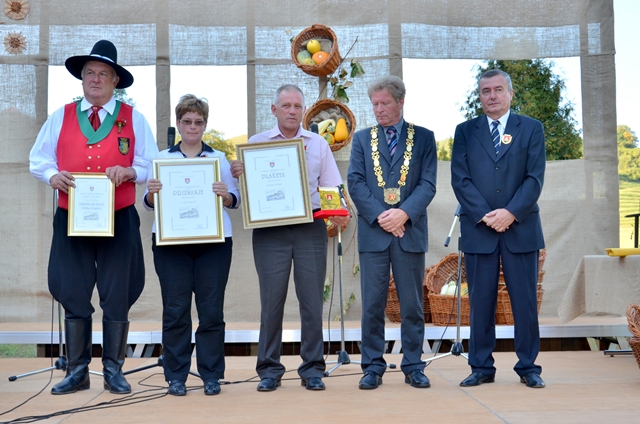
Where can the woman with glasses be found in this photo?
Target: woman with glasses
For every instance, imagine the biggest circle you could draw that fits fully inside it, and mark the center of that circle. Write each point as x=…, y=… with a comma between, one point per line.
x=201, y=269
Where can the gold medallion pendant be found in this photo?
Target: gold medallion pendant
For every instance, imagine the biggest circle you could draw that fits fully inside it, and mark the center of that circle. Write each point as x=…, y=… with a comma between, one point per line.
x=391, y=196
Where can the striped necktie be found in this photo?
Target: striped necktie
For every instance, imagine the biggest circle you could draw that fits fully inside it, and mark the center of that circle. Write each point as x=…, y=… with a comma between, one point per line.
x=495, y=136
x=392, y=139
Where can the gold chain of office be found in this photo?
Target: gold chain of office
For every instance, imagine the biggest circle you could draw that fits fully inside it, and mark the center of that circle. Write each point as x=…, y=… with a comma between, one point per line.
x=391, y=195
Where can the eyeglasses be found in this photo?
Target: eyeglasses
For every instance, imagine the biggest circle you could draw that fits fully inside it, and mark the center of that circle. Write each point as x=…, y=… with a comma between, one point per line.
x=189, y=122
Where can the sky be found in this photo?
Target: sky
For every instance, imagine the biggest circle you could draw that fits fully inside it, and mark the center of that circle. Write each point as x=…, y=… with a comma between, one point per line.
x=433, y=97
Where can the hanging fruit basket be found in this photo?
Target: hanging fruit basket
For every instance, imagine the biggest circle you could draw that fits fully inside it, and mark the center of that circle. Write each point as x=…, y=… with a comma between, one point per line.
x=325, y=109
x=328, y=40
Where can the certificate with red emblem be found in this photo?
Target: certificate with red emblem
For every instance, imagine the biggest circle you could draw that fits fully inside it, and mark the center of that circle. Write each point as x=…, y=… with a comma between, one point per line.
x=274, y=185
x=187, y=210
x=91, y=206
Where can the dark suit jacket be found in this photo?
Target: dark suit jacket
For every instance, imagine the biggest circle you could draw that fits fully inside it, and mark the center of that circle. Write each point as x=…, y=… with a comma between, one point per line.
x=513, y=179
x=415, y=196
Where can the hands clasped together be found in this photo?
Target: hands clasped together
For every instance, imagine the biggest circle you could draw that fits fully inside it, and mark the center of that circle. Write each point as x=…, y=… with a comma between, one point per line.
x=392, y=221
x=499, y=220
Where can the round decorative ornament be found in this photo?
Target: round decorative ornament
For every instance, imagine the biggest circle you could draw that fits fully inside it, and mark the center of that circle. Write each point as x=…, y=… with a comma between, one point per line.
x=15, y=43
x=16, y=9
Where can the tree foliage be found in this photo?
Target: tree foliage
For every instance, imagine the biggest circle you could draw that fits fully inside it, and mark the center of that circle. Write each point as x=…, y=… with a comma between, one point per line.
x=628, y=154
x=538, y=93
x=215, y=139
x=445, y=148
x=119, y=94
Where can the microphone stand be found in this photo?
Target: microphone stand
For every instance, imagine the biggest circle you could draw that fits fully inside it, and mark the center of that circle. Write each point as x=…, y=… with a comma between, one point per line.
x=171, y=137
x=171, y=140
x=61, y=362
x=159, y=363
x=456, y=348
x=343, y=356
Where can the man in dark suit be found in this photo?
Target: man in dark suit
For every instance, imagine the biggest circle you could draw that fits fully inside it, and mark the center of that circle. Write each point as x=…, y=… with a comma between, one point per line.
x=392, y=180
x=497, y=173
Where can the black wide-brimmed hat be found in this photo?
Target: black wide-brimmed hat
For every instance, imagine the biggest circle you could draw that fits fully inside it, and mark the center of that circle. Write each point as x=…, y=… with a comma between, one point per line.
x=103, y=51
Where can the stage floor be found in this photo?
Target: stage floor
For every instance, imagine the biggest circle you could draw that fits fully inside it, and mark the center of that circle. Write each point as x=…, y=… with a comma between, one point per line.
x=582, y=386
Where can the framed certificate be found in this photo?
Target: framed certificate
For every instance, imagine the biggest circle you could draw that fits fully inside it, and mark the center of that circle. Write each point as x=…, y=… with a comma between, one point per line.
x=274, y=185
x=91, y=206
x=187, y=210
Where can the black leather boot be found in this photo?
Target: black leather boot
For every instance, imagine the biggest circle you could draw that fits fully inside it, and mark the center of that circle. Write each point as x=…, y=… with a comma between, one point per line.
x=114, y=344
x=78, y=338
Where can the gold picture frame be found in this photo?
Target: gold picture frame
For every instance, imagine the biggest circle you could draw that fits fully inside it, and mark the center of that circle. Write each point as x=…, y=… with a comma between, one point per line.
x=187, y=211
x=91, y=206
x=274, y=184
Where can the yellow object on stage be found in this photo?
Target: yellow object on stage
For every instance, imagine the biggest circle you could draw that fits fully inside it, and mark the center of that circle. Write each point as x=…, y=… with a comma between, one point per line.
x=620, y=251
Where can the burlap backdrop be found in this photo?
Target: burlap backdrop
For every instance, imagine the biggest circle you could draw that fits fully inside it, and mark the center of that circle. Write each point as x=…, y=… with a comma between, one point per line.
x=579, y=202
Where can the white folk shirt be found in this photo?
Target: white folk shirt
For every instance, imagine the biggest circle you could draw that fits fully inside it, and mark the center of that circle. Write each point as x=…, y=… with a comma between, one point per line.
x=43, y=161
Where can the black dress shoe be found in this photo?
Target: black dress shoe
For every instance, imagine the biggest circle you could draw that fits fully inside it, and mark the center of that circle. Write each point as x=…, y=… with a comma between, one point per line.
x=370, y=381
x=177, y=388
x=268, y=384
x=476, y=379
x=71, y=384
x=532, y=380
x=417, y=379
x=211, y=387
x=313, y=383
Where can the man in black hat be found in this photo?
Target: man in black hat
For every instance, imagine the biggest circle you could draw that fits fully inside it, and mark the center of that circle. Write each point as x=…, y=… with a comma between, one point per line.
x=97, y=134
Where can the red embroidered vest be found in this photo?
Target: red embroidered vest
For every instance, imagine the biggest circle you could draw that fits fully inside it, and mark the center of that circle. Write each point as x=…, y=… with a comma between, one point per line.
x=75, y=155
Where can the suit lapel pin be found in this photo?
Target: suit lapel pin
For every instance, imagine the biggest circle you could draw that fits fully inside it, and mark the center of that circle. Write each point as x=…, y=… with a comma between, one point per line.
x=506, y=139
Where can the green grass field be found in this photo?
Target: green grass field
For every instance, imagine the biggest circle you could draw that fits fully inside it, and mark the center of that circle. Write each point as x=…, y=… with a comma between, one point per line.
x=629, y=203
x=18, y=351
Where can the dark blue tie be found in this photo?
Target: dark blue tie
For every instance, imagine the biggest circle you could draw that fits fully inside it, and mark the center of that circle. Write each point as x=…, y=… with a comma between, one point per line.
x=495, y=136
x=392, y=139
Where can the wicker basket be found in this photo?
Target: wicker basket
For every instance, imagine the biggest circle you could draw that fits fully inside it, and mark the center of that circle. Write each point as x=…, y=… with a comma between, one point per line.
x=633, y=318
x=444, y=307
x=502, y=285
x=542, y=255
x=333, y=60
x=504, y=314
x=634, y=342
x=324, y=104
x=393, y=304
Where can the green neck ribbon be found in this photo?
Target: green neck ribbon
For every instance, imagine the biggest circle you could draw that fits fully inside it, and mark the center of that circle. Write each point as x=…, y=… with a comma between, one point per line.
x=92, y=136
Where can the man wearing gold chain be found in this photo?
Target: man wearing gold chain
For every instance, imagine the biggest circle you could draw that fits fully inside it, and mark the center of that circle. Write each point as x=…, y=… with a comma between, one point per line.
x=392, y=180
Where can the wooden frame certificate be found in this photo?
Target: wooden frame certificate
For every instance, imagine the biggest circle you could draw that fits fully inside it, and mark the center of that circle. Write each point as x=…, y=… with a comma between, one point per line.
x=274, y=185
x=187, y=210
x=91, y=206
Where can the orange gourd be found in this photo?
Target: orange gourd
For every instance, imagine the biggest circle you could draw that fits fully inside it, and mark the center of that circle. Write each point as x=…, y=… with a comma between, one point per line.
x=342, y=133
x=320, y=57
